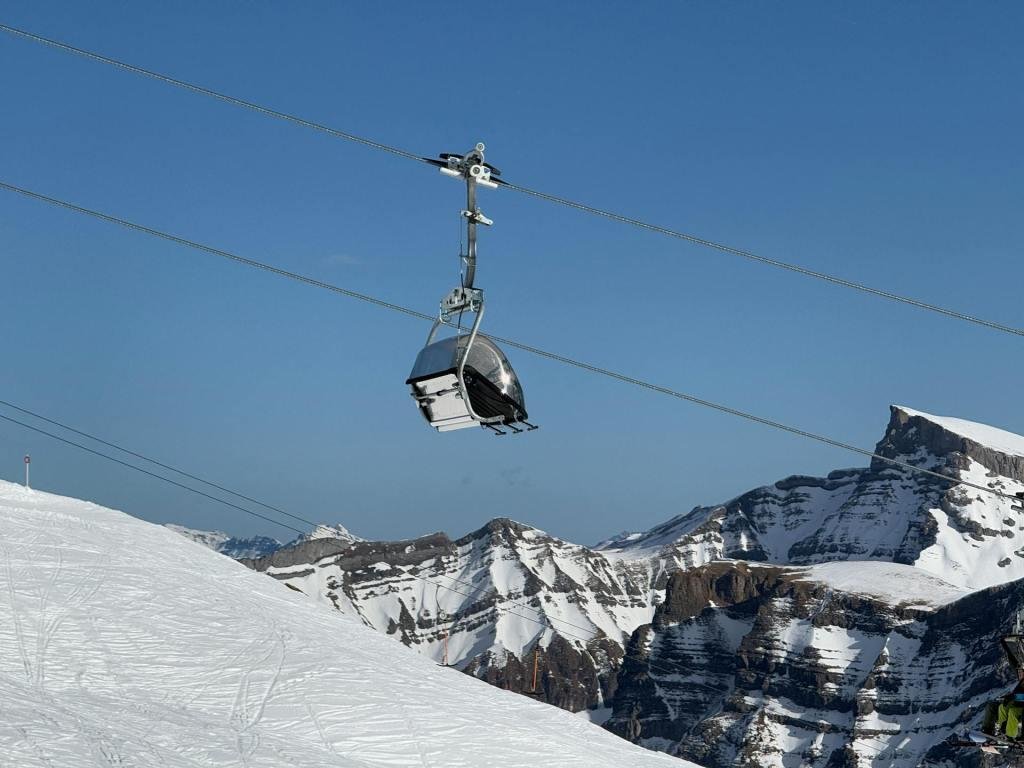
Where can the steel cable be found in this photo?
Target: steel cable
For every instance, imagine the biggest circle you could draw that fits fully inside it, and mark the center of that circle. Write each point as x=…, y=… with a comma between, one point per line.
x=509, y=342
x=693, y=239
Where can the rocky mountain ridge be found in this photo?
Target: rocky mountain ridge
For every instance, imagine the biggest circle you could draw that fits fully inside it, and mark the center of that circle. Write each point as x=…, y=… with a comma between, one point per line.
x=882, y=512
x=736, y=634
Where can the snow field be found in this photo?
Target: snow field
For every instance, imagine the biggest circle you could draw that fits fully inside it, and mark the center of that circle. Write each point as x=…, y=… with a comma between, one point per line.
x=122, y=643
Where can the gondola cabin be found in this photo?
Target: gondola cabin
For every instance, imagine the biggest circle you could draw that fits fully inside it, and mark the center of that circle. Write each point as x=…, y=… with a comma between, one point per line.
x=466, y=381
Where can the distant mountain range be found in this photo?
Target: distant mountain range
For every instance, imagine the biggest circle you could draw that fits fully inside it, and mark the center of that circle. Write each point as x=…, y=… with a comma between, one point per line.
x=851, y=619
x=258, y=546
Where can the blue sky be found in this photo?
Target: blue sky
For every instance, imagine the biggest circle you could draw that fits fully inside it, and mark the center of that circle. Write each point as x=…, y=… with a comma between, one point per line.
x=876, y=141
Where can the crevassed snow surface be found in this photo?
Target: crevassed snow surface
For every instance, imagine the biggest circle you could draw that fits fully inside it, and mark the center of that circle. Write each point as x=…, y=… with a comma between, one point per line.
x=993, y=437
x=123, y=643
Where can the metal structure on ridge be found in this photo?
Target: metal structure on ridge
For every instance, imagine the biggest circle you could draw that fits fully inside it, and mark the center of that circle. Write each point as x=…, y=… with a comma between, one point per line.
x=465, y=380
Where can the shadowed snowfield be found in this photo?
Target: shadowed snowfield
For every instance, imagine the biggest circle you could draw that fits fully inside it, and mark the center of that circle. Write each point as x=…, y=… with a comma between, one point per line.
x=124, y=644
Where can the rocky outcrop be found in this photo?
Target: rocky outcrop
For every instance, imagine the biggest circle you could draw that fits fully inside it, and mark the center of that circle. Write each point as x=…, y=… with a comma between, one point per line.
x=910, y=432
x=350, y=556
x=745, y=665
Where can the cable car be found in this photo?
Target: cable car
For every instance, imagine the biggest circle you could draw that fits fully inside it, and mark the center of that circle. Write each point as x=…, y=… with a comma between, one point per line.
x=465, y=380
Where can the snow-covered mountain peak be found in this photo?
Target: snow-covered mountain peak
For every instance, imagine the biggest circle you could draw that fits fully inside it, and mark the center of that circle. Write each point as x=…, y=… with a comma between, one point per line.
x=505, y=528
x=882, y=512
x=329, y=531
x=981, y=434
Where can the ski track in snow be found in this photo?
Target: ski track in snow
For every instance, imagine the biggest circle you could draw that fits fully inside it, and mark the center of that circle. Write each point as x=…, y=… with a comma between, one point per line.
x=124, y=644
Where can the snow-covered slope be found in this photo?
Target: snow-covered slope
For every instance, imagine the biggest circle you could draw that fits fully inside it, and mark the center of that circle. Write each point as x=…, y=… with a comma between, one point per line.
x=124, y=644
x=329, y=531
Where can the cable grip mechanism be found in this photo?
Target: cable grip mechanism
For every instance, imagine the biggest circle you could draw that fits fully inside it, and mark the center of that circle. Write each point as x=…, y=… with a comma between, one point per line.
x=461, y=299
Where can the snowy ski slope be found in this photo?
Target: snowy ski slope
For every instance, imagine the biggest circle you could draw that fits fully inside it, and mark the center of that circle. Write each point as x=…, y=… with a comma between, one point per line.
x=124, y=644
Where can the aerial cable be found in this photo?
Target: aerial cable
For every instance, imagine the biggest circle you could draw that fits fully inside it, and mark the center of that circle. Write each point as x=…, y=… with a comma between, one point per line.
x=218, y=252
x=181, y=472
x=693, y=239
x=214, y=94
x=881, y=293
x=137, y=468
x=519, y=345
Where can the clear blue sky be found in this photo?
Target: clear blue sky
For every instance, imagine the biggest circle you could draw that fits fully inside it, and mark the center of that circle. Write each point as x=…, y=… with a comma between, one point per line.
x=877, y=141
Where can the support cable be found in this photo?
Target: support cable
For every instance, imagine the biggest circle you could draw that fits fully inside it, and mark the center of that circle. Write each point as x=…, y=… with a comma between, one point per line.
x=210, y=92
x=693, y=239
x=156, y=463
x=129, y=465
x=796, y=268
x=778, y=425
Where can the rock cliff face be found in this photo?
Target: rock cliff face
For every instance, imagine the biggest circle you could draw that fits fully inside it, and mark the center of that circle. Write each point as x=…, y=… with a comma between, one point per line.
x=487, y=600
x=761, y=666
x=817, y=621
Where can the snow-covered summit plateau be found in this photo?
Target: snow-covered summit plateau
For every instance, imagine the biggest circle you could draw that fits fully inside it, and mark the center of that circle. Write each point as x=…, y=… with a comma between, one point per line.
x=123, y=643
